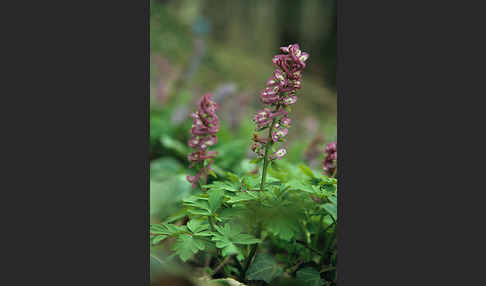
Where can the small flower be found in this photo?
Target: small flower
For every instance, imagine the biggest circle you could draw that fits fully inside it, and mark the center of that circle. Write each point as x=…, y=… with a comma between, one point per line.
x=285, y=49
x=258, y=139
x=279, y=78
x=279, y=60
x=262, y=118
x=194, y=141
x=258, y=149
x=279, y=154
x=280, y=133
x=211, y=140
x=285, y=121
x=295, y=83
x=289, y=100
x=304, y=57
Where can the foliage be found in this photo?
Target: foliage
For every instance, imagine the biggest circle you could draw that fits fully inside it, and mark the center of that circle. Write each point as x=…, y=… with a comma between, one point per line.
x=295, y=215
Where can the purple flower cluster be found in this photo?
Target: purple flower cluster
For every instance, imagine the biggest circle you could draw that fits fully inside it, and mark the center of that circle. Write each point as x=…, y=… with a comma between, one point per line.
x=205, y=125
x=330, y=162
x=279, y=93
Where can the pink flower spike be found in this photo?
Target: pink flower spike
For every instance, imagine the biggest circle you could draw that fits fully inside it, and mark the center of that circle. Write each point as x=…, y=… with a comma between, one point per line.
x=205, y=125
x=280, y=92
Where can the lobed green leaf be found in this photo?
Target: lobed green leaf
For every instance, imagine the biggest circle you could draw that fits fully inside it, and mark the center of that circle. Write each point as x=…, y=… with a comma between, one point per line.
x=265, y=268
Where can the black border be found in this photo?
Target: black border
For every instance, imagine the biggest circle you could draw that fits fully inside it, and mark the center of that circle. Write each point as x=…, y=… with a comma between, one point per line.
x=340, y=141
x=77, y=176
x=147, y=137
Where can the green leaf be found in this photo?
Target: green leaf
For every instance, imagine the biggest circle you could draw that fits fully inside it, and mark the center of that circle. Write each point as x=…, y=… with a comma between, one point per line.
x=186, y=246
x=157, y=238
x=297, y=185
x=331, y=209
x=307, y=171
x=191, y=200
x=204, y=233
x=245, y=239
x=196, y=226
x=199, y=227
x=202, y=206
x=229, y=231
x=229, y=249
x=232, y=177
x=328, y=181
x=212, y=173
x=215, y=199
x=200, y=212
x=176, y=216
x=167, y=229
x=232, y=213
x=251, y=182
x=309, y=276
x=225, y=186
x=157, y=229
x=227, y=238
x=280, y=175
x=282, y=228
x=244, y=196
x=265, y=268
x=329, y=188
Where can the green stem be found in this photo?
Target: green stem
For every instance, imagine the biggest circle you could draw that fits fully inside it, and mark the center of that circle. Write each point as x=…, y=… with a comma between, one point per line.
x=238, y=264
x=252, y=254
x=211, y=224
x=266, y=159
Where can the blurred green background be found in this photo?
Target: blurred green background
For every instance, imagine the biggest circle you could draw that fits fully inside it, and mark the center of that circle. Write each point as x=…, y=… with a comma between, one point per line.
x=226, y=47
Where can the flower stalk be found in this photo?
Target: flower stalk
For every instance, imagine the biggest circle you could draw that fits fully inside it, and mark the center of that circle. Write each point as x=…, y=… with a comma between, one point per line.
x=266, y=158
x=278, y=95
